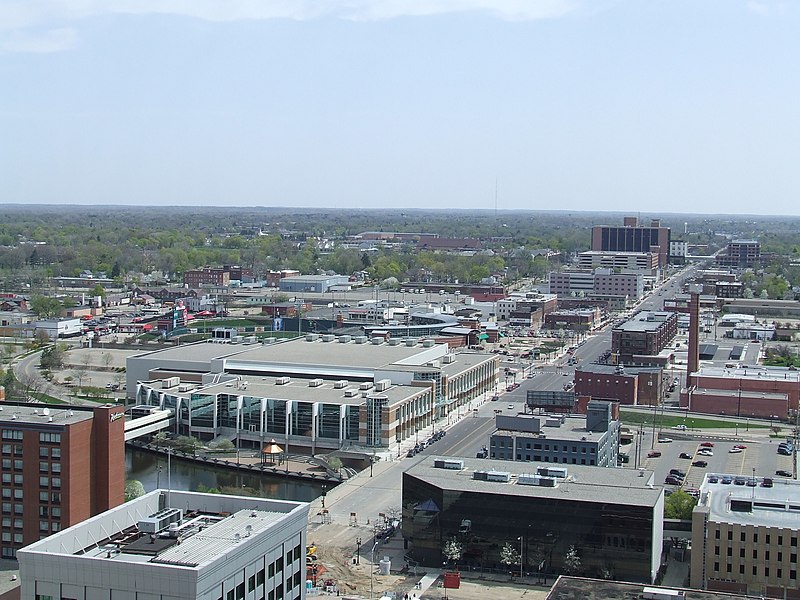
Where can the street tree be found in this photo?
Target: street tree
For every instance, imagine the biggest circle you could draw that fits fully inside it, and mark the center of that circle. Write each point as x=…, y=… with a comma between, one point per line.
x=453, y=550
x=572, y=561
x=509, y=556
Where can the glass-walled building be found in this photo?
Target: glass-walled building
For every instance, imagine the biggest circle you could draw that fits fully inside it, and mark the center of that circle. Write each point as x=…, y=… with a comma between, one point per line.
x=612, y=517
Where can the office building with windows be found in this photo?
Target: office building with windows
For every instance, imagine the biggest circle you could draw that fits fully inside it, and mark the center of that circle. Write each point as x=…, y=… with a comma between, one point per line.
x=632, y=236
x=745, y=537
x=591, y=440
x=612, y=517
x=60, y=466
x=174, y=546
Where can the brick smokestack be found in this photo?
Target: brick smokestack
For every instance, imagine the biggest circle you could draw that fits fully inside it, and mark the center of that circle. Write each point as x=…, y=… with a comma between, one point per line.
x=693, y=362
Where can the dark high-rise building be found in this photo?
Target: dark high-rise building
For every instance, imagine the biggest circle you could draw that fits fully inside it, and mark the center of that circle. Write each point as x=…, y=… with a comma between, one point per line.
x=633, y=237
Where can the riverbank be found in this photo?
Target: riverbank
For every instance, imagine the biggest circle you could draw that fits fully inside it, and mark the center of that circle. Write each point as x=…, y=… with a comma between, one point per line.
x=296, y=467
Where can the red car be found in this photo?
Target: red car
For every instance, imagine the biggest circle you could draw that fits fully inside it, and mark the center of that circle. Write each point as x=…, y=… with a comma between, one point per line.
x=740, y=446
x=707, y=445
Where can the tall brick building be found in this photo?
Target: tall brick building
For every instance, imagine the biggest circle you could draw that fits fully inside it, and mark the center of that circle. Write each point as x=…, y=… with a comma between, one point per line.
x=59, y=466
x=633, y=237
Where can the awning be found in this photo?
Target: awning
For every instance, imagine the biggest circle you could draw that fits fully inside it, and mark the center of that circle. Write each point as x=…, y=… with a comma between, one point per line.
x=483, y=336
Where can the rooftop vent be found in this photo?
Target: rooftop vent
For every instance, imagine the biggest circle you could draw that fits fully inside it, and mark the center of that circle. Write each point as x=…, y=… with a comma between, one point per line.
x=344, y=339
x=394, y=342
x=328, y=337
x=360, y=339
x=315, y=382
x=365, y=385
x=410, y=342
x=377, y=341
x=312, y=337
x=340, y=385
x=282, y=380
x=350, y=393
x=382, y=385
x=428, y=344
x=448, y=359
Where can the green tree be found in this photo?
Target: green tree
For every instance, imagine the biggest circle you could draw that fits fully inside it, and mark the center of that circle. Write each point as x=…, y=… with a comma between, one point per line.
x=679, y=505
x=133, y=489
x=98, y=290
x=453, y=550
x=509, y=556
x=52, y=358
x=45, y=307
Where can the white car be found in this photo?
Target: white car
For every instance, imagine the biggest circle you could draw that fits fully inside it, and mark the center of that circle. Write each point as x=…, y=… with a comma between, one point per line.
x=734, y=451
x=705, y=452
x=664, y=440
x=510, y=407
x=679, y=427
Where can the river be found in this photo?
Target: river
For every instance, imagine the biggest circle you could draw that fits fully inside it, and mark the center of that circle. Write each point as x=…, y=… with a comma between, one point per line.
x=151, y=470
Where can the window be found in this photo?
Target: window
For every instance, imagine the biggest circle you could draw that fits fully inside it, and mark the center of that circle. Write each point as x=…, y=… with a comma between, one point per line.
x=55, y=453
x=716, y=567
x=56, y=481
x=288, y=583
x=279, y=565
x=44, y=452
x=49, y=438
x=44, y=481
x=6, y=449
x=17, y=478
x=44, y=526
x=18, y=494
x=17, y=538
x=44, y=467
x=260, y=577
x=55, y=468
x=240, y=591
x=251, y=583
x=272, y=570
x=12, y=434
x=18, y=464
x=229, y=595
x=6, y=477
x=44, y=496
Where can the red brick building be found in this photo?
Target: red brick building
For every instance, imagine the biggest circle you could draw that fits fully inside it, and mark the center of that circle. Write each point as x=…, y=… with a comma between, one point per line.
x=640, y=340
x=635, y=386
x=216, y=276
x=763, y=392
x=60, y=466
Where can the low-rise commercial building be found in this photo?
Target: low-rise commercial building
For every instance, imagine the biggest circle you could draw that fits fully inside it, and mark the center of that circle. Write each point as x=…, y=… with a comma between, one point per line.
x=744, y=537
x=612, y=517
x=177, y=546
x=591, y=440
x=626, y=385
x=740, y=253
x=644, y=262
x=312, y=283
x=743, y=391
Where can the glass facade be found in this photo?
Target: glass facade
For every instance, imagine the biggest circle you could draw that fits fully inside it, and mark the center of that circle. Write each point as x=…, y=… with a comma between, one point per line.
x=609, y=538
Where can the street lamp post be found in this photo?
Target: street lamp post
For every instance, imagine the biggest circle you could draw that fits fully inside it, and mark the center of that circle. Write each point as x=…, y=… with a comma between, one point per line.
x=358, y=550
x=324, y=493
x=372, y=570
x=520, y=558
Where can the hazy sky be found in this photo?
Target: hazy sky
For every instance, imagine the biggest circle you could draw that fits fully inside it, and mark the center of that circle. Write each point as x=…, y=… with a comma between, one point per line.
x=652, y=105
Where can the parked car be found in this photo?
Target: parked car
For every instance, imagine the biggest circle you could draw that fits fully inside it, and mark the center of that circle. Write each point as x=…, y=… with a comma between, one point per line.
x=705, y=452
x=707, y=445
x=510, y=407
x=766, y=482
x=665, y=440
x=713, y=479
x=735, y=451
x=679, y=427
x=784, y=451
x=783, y=473
x=685, y=455
x=672, y=480
x=677, y=472
x=653, y=454
x=739, y=480
x=411, y=453
x=726, y=479
x=752, y=482
x=740, y=446
x=700, y=463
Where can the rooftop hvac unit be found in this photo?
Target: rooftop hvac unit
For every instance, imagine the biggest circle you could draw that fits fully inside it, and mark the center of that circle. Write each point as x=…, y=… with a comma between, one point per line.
x=360, y=339
x=351, y=393
x=366, y=385
x=340, y=385
x=382, y=385
x=266, y=341
x=364, y=393
x=250, y=339
x=377, y=341
x=552, y=472
x=314, y=382
x=411, y=342
x=448, y=358
x=328, y=337
x=184, y=387
x=428, y=344
x=312, y=337
x=282, y=380
x=448, y=463
x=161, y=520
x=170, y=382
x=394, y=342
x=479, y=475
x=344, y=339
x=547, y=481
x=498, y=476
x=527, y=479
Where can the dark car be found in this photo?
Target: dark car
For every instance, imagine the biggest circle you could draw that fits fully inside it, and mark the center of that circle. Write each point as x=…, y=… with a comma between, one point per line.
x=752, y=482
x=653, y=454
x=783, y=473
x=726, y=479
x=766, y=482
x=677, y=472
x=713, y=479
x=411, y=453
x=739, y=480
x=700, y=463
x=672, y=480
x=685, y=455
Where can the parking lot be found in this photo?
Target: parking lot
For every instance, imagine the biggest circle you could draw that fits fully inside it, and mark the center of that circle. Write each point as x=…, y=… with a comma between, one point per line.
x=757, y=456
